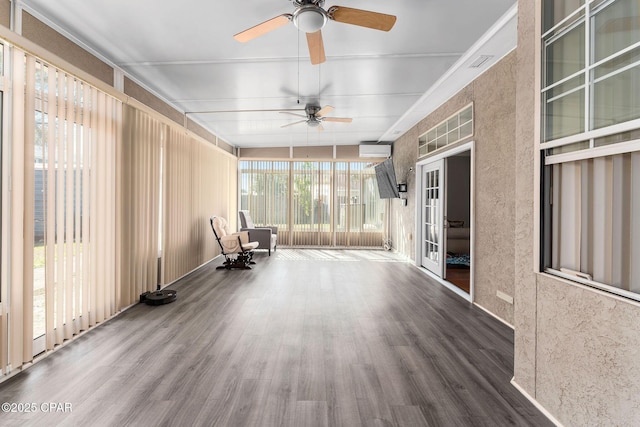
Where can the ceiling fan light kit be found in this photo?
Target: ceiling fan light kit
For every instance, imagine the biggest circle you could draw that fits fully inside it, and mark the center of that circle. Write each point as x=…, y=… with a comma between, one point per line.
x=309, y=18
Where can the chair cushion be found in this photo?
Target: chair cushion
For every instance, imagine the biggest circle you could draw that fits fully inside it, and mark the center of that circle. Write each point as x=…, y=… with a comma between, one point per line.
x=245, y=216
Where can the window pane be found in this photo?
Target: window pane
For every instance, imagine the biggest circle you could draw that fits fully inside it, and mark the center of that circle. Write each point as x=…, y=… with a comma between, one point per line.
x=619, y=137
x=554, y=11
x=565, y=87
x=615, y=27
x=576, y=146
x=617, y=99
x=565, y=55
x=466, y=130
x=617, y=63
x=452, y=123
x=565, y=116
x=466, y=115
x=264, y=190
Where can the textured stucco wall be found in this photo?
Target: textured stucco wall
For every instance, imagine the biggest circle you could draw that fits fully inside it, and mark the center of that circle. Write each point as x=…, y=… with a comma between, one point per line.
x=493, y=95
x=588, y=349
x=576, y=348
x=526, y=124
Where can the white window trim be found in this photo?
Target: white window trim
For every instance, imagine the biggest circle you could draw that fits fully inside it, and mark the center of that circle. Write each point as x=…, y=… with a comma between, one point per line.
x=593, y=134
x=590, y=153
x=598, y=285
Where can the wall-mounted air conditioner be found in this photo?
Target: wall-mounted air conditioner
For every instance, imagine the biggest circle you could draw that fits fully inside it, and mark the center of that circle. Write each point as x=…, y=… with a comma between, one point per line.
x=375, y=150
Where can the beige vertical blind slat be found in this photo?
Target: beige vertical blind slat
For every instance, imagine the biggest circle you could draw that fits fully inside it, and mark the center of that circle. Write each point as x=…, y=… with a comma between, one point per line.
x=94, y=260
x=77, y=214
x=99, y=211
x=16, y=330
x=601, y=226
x=120, y=294
x=29, y=204
x=69, y=248
x=16, y=325
x=88, y=97
x=59, y=221
x=50, y=219
x=113, y=140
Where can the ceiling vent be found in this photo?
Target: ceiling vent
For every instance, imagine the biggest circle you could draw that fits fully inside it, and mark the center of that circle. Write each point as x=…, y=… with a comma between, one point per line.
x=375, y=150
x=479, y=62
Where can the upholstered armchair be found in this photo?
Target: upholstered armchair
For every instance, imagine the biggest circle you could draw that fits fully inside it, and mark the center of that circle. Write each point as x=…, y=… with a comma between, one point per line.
x=266, y=236
x=237, y=248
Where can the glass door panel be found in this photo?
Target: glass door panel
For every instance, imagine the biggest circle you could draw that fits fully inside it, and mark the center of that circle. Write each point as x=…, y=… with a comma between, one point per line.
x=432, y=217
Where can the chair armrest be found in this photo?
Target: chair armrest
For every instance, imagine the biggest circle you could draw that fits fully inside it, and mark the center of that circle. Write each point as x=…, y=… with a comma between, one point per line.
x=229, y=242
x=257, y=234
x=273, y=229
x=244, y=236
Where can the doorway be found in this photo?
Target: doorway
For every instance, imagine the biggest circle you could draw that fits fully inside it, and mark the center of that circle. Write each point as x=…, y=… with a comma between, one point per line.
x=457, y=221
x=445, y=218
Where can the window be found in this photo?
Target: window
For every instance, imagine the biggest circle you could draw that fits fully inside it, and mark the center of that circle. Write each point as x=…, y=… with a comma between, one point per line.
x=454, y=129
x=314, y=203
x=591, y=143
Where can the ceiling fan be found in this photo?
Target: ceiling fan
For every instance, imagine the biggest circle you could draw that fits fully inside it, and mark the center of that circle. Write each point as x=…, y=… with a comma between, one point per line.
x=310, y=17
x=315, y=116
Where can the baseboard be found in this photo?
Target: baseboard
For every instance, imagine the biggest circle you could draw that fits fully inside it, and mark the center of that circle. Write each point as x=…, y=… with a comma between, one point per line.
x=453, y=288
x=535, y=403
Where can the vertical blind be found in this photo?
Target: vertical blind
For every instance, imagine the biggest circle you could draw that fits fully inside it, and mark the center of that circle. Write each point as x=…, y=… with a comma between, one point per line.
x=69, y=131
x=595, y=219
x=140, y=175
x=97, y=189
x=199, y=181
x=314, y=203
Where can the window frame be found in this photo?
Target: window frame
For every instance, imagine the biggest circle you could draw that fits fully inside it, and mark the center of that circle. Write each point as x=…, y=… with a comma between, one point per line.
x=551, y=151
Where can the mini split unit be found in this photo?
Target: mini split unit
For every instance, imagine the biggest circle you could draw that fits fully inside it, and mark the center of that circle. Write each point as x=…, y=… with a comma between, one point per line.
x=375, y=150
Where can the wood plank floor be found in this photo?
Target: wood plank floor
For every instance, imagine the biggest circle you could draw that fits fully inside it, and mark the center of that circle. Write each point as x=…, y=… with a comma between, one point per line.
x=305, y=338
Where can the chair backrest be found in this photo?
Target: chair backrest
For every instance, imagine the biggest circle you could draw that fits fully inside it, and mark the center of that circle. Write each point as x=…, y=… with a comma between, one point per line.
x=220, y=229
x=245, y=219
x=220, y=226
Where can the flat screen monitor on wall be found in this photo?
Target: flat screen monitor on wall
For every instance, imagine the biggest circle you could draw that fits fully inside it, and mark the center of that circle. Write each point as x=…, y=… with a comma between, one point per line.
x=386, y=178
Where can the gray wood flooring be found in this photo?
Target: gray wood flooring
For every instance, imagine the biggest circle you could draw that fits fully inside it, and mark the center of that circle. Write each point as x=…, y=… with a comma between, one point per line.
x=305, y=338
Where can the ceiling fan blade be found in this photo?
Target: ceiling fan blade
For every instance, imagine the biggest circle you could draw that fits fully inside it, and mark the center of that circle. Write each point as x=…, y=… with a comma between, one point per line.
x=324, y=111
x=320, y=128
x=263, y=28
x=293, y=114
x=294, y=123
x=363, y=18
x=337, y=119
x=316, y=47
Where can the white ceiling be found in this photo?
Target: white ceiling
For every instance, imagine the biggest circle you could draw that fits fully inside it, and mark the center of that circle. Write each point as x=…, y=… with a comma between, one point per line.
x=184, y=52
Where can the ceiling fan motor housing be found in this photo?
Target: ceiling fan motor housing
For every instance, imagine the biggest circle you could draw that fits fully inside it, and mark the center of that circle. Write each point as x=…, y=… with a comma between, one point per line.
x=312, y=110
x=309, y=16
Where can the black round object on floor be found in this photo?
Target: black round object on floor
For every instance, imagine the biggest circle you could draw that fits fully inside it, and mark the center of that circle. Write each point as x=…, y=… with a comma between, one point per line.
x=159, y=297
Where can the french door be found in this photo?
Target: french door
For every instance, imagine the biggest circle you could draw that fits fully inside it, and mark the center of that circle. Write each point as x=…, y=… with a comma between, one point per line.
x=433, y=239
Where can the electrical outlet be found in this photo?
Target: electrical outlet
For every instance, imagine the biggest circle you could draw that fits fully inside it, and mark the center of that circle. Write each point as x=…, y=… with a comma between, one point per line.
x=505, y=297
